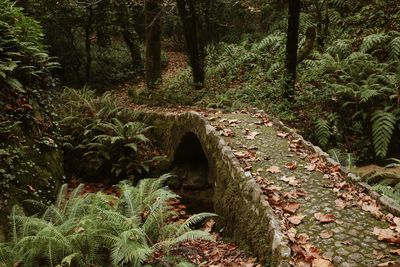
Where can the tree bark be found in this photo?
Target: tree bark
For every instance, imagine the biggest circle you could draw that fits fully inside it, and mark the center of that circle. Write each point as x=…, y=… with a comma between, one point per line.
x=308, y=46
x=194, y=42
x=291, y=48
x=130, y=36
x=152, y=10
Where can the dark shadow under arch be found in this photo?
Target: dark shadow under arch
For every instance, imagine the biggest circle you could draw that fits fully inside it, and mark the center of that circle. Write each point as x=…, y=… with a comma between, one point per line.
x=193, y=179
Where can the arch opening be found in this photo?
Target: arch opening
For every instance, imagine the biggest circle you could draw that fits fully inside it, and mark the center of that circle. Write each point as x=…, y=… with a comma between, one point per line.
x=192, y=178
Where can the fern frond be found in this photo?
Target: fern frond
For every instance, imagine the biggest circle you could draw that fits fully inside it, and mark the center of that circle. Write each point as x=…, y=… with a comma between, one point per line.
x=322, y=132
x=372, y=41
x=194, y=220
x=383, y=125
x=394, y=49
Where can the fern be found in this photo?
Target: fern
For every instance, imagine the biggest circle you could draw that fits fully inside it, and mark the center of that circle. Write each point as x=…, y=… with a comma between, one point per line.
x=394, y=49
x=372, y=41
x=84, y=230
x=383, y=125
x=322, y=132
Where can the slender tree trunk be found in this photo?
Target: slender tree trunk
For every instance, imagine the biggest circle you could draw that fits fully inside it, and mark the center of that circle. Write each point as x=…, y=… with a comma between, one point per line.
x=88, y=33
x=291, y=48
x=209, y=21
x=194, y=43
x=308, y=46
x=130, y=36
x=152, y=10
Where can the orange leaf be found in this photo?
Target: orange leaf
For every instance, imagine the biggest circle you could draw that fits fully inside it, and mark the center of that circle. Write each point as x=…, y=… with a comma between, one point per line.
x=273, y=169
x=291, y=165
x=282, y=134
x=395, y=251
x=291, y=207
x=296, y=219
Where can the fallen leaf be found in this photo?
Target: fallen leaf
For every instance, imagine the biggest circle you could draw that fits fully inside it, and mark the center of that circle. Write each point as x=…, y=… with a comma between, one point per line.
x=387, y=235
x=319, y=262
x=209, y=225
x=371, y=207
x=311, y=252
x=379, y=255
x=388, y=263
x=324, y=218
x=296, y=219
x=227, y=132
x=395, y=251
x=291, y=233
x=274, y=188
x=310, y=167
x=302, y=238
x=291, y=165
x=282, y=134
x=396, y=221
x=340, y=203
x=251, y=135
x=290, y=180
x=274, y=169
x=291, y=207
x=326, y=234
x=347, y=242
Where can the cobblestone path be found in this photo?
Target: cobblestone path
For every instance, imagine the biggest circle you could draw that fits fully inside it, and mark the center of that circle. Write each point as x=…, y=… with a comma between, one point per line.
x=320, y=211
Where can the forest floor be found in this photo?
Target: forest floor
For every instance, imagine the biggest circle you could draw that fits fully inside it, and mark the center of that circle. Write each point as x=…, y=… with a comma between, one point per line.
x=327, y=220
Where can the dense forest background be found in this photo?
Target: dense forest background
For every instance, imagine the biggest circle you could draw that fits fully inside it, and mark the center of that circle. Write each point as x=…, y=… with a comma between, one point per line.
x=345, y=89
x=327, y=68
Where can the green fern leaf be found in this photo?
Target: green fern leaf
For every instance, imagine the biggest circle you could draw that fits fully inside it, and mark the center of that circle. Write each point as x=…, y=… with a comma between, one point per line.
x=394, y=48
x=322, y=132
x=383, y=125
x=372, y=41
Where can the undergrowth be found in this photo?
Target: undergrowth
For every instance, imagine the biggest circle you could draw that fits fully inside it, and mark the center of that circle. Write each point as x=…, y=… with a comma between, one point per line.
x=96, y=229
x=95, y=129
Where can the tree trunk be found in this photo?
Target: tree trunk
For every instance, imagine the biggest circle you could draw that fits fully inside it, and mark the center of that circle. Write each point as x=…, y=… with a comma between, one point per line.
x=211, y=27
x=308, y=46
x=88, y=33
x=152, y=10
x=194, y=42
x=291, y=48
x=130, y=36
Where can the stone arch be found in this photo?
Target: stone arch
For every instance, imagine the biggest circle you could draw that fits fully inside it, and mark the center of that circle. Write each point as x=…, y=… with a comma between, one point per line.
x=191, y=158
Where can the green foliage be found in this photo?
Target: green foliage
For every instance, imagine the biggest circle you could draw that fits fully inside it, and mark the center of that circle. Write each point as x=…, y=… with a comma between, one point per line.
x=97, y=37
x=383, y=125
x=322, y=132
x=389, y=191
x=100, y=230
x=24, y=69
x=103, y=134
x=117, y=144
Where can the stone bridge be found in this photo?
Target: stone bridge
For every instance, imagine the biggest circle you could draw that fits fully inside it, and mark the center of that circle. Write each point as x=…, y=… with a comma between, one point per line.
x=243, y=207
x=237, y=199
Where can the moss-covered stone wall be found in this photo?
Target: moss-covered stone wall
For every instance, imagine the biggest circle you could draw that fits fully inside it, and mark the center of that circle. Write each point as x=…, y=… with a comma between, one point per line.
x=29, y=169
